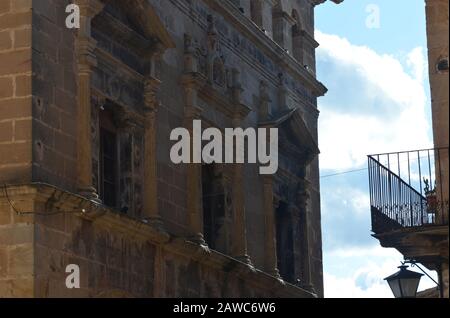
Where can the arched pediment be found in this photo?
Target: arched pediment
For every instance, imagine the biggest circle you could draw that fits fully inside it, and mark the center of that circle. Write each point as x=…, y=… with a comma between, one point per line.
x=297, y=133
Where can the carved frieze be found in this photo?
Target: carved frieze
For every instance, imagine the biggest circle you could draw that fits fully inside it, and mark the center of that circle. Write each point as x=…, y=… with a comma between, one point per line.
x=118, y=86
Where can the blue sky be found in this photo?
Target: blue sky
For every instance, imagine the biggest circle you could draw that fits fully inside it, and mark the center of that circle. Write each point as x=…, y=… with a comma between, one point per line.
x=378, y=101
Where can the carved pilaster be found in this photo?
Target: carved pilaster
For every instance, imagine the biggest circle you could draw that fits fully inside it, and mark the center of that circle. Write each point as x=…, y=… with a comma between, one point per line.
x=302, y=199
x=270, y=246
x=151, y=212
x=191, y=83
x=239, y=243
x=261, y=12
x=282, y=93
x=264, y=102
x=282, y=29
x=85, y=45
x=297, y=43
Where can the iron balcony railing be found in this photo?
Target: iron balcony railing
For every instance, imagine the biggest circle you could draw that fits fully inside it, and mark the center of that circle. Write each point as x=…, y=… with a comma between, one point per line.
x=408, y=189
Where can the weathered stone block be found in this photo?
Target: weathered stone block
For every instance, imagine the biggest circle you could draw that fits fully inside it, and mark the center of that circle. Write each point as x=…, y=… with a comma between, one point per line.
x=15, y=19
x=5, y=6
x=19, y=287
x=15, y=153
x=17, y=234
x=21, y=5
x=23, y=85
x=22, y=38
x=66, y=145
x=21, y=260
x=3, y=261
x=6, y=87
x=5, y=40
x=15, y=62
x=15, y=108
x=6, y=131
x=15, y=174
x=22, y=130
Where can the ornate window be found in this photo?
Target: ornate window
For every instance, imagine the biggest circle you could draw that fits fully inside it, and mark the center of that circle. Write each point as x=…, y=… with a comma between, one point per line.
x=117, y=158
x=108, y=159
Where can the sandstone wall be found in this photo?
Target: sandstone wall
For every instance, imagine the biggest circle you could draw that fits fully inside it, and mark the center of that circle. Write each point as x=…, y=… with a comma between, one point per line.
x=38, y=129
x=15, y=91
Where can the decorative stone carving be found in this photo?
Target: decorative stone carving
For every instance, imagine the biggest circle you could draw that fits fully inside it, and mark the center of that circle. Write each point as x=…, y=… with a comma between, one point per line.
x=218, y=72
x=216, y=60
x=270, y=248
x=150, y=201
x=264, y=101
x=302, y=198
x=282, y=93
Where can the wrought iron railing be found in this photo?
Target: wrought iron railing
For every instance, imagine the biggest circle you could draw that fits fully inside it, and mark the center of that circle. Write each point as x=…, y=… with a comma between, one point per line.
x=408, y=189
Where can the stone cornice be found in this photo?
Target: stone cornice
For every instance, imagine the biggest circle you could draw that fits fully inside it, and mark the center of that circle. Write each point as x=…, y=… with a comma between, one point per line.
x=247, y=27
x=124, y=34
x=309, y=38
x=115, y=62
x=137, y=116
x=276, y=52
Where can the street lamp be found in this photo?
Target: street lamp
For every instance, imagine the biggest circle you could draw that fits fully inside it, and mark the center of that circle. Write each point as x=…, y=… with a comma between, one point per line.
x=404, y=283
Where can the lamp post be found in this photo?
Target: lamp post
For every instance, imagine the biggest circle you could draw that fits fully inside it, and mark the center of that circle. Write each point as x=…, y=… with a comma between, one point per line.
x=404, y=283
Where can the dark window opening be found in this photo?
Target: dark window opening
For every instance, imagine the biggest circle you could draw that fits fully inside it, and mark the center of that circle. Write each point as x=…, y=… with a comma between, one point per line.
x=108, y=159
x=213, y=208
x=285, y=243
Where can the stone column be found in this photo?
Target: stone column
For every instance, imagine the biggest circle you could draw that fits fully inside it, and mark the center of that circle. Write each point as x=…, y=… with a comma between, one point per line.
x=282, y=29
x=194, y=182
x=191, y=81
x=85, y=46
x=151, y=212
x=270, y=246
x=297, y=44
x=239, y=238
x=303, y=197
x=282, y=93
x=264, y=102
x=261, y=12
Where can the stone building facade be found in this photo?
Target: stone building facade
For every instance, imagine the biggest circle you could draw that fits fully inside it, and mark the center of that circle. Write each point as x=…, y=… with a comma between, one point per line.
x=86, y=177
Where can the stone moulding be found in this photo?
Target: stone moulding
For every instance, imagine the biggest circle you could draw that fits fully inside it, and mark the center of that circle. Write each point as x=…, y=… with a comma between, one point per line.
x=271, y=48
x=56, y=199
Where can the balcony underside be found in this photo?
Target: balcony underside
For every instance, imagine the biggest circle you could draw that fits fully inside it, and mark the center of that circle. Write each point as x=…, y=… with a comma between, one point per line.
x=426, y=244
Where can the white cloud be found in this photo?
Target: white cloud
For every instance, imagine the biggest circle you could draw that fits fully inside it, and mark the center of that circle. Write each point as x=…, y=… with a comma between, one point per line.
x=338, y=287
x=374, y=103
x=355, y=200
x=375, y=251
x=416, y=61
x=367, y=279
